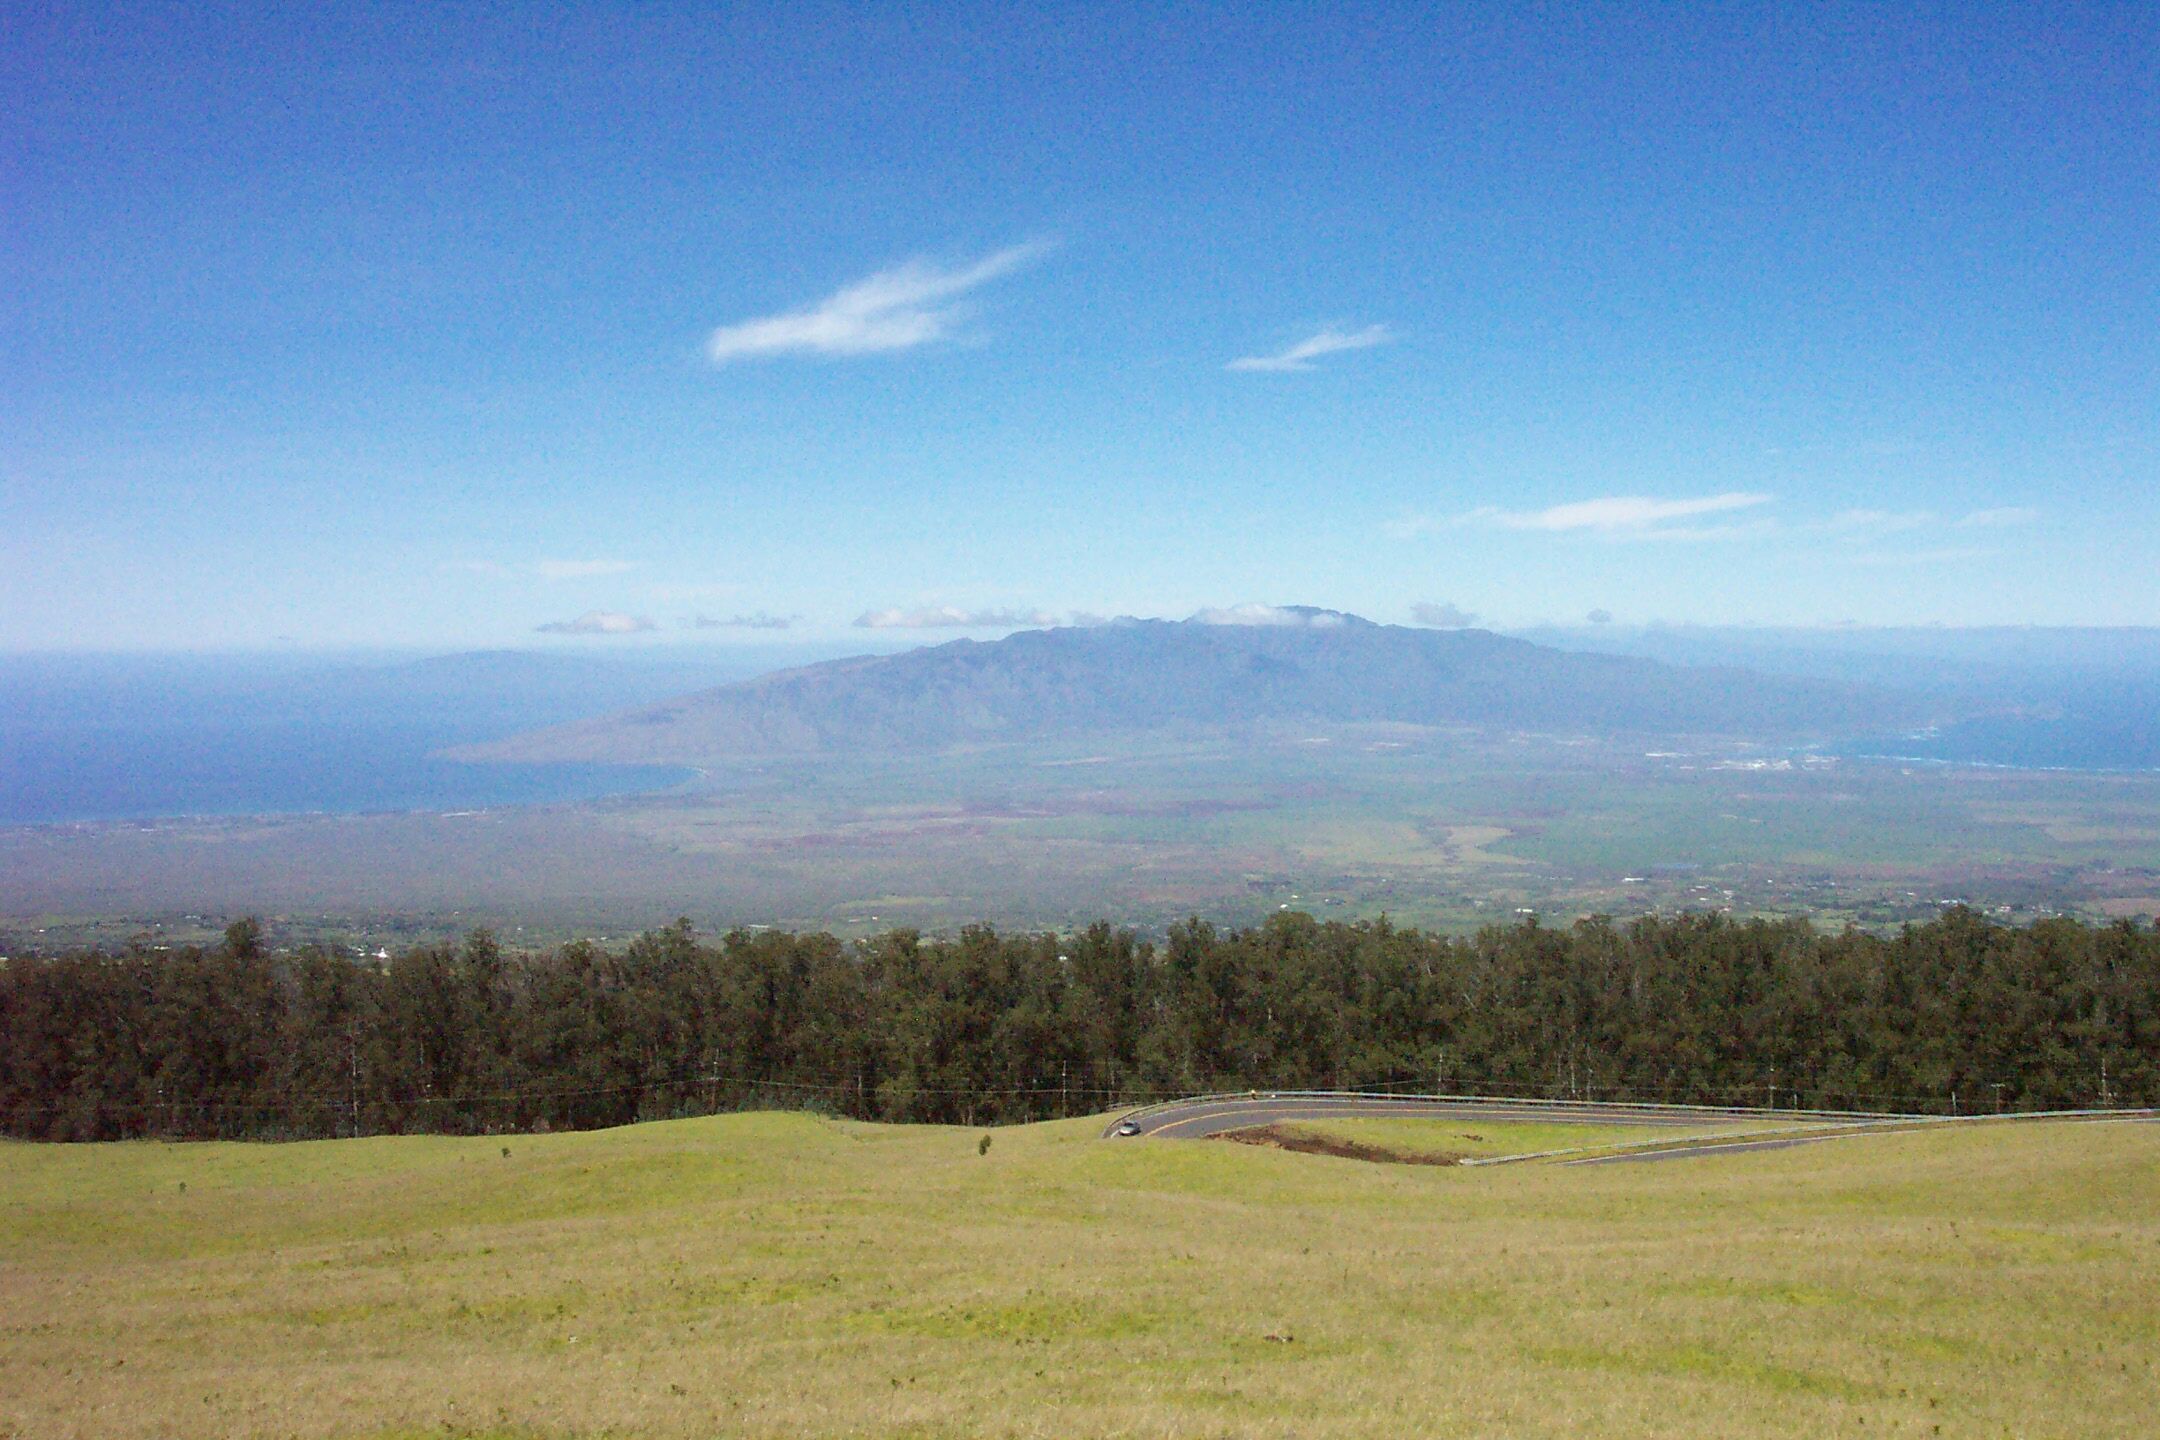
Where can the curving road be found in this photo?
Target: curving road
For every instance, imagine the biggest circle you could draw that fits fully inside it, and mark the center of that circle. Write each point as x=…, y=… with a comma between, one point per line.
x=1214, y=1115
x=1713, y=1147
x=1197, y=1119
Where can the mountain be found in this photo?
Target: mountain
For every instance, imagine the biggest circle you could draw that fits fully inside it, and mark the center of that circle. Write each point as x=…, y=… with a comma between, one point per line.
x=1306, y=665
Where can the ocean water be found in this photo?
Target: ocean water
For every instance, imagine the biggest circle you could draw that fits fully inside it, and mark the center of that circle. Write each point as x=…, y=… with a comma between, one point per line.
x=2104, y=728
x=131, y=738
x=253, y=769
x=2032, y=697
x=2018, y=744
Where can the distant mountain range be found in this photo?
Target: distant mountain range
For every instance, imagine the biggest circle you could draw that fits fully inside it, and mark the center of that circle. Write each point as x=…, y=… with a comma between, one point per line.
x=1308, y=665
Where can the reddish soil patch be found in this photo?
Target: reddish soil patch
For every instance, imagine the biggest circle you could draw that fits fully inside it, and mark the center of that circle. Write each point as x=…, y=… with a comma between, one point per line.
x=1283, y=1137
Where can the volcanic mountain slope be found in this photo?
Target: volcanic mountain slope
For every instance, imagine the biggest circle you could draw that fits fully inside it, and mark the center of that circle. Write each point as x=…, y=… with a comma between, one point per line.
x=1312, y=665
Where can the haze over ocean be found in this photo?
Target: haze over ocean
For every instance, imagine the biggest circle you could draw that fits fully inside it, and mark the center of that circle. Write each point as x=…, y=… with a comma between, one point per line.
x=106, y=738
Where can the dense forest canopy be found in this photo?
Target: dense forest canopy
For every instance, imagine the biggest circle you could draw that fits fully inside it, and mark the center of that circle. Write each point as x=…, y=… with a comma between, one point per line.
x=240, y=1041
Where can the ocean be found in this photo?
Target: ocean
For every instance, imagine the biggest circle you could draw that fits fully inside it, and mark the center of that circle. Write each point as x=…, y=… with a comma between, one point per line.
x=97, y=738
x=2093, y=727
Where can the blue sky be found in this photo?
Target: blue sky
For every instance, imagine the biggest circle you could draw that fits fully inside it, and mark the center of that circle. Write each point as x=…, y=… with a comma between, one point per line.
x=440, y=325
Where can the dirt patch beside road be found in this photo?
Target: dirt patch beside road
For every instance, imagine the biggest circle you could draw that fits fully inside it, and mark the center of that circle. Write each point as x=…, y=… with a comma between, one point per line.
x=1304, y=1142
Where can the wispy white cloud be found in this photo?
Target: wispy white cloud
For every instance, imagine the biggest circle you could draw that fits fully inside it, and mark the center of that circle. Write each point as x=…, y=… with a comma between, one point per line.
x=1442, y=616
x=1733, y=515
x=1328, y=342
x=1613, y=514
x=755, y=620
x=952, y=617
x=598, y=622
x=1279, y=615
x=897, y=309
x=1620, y=517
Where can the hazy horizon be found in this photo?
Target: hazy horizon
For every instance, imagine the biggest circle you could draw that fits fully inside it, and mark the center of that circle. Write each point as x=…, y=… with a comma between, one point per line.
x=660, y=644
x=103, y=737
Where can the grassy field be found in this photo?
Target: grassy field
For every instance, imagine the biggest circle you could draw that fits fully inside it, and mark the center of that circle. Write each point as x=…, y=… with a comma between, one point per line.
x=785, y=1275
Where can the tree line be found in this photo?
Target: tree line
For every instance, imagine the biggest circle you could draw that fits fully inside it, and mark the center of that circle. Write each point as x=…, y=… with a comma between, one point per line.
x=240, y=1040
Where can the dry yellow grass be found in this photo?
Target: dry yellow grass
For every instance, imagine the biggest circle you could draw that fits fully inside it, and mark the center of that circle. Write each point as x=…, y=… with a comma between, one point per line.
x=782, y=1275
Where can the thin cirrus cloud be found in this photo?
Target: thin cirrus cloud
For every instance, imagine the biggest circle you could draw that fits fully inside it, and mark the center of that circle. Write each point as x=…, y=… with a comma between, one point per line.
x=952, y=617
x=1620, y=514
x=1712, y=517
x=755, y=620
x=1300, y=356
x=913, y=304
x=598, y=622
x=1623, y=517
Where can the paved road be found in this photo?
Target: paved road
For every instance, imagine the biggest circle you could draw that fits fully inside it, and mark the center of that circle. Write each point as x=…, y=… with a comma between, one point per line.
x=1195, y=1119
x=1847, y=1132
x=1735, y=1147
